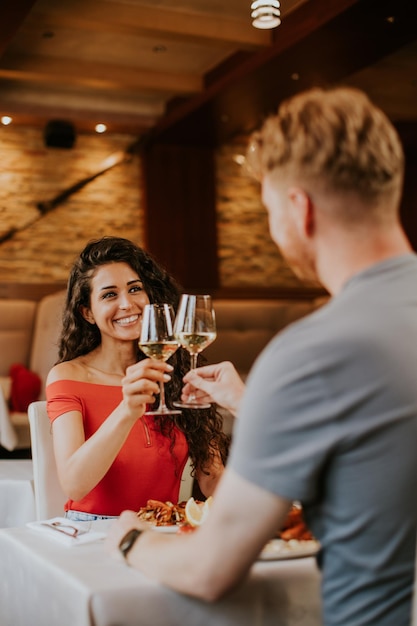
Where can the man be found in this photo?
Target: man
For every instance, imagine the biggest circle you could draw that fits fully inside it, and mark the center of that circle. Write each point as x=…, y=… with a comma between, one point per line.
x=329, y=415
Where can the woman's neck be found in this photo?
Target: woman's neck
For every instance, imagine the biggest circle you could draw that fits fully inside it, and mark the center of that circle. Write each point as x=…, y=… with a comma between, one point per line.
x=111, y=362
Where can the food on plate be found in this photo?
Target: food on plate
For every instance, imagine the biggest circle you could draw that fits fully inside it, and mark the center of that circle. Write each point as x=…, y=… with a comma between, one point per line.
x=188, y=514
x=162, y=513
x=294, y=526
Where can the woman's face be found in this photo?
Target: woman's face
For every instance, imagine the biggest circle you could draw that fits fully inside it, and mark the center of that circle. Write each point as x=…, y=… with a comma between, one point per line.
x=117, y=301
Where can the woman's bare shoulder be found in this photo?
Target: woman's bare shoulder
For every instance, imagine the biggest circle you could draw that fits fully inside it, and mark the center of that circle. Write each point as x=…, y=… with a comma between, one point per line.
x=67, y=370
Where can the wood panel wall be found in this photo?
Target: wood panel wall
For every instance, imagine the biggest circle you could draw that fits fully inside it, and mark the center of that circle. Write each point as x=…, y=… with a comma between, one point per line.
x=180, y=212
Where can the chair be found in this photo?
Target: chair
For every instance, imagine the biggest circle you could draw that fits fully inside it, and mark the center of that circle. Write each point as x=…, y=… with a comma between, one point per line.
x=49, y=497
x=414, y=604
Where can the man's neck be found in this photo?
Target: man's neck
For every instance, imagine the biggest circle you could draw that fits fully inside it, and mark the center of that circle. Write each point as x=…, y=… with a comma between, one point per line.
x=347, y=255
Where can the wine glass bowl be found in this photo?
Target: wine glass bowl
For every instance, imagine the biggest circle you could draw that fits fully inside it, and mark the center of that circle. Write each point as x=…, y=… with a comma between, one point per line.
x=157, y=341
x=195, y=329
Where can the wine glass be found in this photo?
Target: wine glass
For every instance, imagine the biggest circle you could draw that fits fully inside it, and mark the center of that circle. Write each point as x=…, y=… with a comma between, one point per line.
x=157, y=341
x=194, y=329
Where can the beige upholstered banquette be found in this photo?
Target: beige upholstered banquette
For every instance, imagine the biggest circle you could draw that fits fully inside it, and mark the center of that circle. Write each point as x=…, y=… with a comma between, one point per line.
x=28, y=335
x=244, y=327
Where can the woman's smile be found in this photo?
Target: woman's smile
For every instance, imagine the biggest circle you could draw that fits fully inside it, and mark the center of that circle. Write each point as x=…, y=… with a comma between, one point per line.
x=126, y=321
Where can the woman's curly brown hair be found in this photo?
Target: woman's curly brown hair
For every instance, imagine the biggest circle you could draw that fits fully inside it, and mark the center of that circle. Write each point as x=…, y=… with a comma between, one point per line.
x=203, y=429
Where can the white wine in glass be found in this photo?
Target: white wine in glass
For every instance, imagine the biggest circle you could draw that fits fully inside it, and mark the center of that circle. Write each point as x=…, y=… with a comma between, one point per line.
x=157, y=341
x=195, y=329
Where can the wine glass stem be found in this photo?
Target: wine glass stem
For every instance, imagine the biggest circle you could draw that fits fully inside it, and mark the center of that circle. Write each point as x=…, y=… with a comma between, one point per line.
x=193, y=366
x=162, y=404
x=193, y=361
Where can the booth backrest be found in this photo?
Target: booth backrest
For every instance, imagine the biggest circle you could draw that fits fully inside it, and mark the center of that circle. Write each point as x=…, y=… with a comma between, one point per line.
x=17, y=319
x=46, y=332
x=244, y=327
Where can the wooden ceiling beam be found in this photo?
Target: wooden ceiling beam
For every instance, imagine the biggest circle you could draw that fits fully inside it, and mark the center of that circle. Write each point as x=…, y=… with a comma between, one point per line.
x=96, y=107
x=154, y=22
x=40, y=69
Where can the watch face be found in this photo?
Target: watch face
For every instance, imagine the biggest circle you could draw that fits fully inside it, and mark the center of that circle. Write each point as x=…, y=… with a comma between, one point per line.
x=128, y=541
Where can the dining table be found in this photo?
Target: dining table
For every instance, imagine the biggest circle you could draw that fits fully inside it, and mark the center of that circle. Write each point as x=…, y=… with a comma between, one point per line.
x=17, y=498
x=45, y=583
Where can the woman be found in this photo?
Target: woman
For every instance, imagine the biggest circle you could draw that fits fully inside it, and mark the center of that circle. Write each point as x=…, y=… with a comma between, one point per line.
x=109, y=455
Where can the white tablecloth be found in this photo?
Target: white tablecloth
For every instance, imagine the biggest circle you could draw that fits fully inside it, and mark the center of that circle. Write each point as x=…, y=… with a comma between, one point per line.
x=17, y=500
x=43, y=583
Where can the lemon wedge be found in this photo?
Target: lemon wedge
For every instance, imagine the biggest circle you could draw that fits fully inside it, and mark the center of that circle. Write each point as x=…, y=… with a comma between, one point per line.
x=196, y=512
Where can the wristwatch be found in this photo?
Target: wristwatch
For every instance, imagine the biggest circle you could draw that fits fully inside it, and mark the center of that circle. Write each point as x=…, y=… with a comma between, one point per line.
x=128, y=541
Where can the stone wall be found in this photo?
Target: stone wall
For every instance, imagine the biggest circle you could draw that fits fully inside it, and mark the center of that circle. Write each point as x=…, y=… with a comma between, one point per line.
x=111, y=204
x=30, y=173
x=247, y=255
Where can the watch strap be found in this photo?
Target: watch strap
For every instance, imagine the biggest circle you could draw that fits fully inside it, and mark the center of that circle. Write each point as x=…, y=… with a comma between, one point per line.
x=128, y=541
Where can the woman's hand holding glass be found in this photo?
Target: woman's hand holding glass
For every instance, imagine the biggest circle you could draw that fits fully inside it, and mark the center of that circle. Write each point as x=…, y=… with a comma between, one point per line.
x=141, y=384
x=158, y=342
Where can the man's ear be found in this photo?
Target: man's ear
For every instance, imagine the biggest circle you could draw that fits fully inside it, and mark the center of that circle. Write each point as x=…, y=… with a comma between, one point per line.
x=302, y=209
x=87, y=315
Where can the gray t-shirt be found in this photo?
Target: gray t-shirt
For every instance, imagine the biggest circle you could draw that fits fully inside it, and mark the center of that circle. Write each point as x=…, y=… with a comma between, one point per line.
x=329, y=418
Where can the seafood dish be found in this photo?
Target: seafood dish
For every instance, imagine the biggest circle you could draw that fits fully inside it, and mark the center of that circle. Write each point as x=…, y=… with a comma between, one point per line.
x=162, y=513
x=294, y=526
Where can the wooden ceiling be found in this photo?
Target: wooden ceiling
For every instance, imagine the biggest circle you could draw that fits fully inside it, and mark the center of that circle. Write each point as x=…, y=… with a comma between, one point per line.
x=196, y=70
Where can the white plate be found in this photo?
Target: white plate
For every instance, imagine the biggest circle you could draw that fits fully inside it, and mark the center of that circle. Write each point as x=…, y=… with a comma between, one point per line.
x=278, y=549
x=165, y=529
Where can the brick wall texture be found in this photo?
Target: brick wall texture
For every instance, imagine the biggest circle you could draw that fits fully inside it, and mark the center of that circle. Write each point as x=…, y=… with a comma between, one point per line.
x=44, y=246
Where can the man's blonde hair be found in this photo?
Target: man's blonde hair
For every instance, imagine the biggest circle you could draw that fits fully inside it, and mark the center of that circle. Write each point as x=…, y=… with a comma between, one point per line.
x=336, y=138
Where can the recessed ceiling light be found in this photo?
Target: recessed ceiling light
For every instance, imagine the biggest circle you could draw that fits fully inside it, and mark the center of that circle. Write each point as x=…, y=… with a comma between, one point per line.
x=100, y=128
x=390, y=19
x=6, y=120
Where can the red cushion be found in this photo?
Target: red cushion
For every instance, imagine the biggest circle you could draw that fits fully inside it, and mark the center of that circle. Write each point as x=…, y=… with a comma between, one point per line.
x=26, y=387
